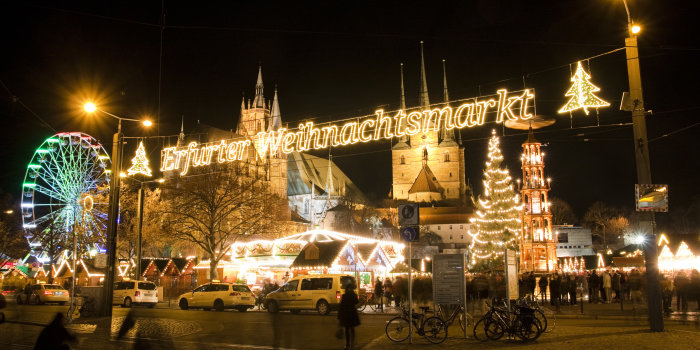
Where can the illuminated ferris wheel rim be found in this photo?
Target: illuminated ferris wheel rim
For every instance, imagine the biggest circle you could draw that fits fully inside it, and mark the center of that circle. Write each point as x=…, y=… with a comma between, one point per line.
x=66, y=174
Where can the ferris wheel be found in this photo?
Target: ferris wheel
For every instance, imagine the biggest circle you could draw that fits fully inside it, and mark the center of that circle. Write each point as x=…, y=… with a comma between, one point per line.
x=66, y=188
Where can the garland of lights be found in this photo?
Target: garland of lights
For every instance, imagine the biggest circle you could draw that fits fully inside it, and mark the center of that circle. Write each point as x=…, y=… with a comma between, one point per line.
x=139, y=164
x=497, y=222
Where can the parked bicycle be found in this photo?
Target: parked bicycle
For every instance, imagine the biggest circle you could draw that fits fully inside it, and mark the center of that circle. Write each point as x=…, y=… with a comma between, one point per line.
x=449, y=314
x=518, y=321
x=433, y=329
x=545, y=315
x=368, y=300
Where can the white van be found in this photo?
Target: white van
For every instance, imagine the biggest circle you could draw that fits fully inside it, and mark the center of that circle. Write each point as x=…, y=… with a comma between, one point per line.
x=128, y=293
x=309, y=292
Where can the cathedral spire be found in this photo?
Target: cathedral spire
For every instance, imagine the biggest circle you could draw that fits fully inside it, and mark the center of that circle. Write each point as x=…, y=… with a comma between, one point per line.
x=181, y=137
x=445, y=94
x=403, y=94
x=424, y=101
x=259, y=98
x=276, y=121
x=444, y=133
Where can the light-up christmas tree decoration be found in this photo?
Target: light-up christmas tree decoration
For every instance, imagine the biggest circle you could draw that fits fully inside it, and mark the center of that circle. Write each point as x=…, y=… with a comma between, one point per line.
x=582, y=93
x=139, y=164
x=537, y=242
x=497, y=220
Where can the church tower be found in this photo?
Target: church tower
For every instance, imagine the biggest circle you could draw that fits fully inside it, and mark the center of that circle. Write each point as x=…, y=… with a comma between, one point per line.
x=428, y=166
x=537, y=242
x=259, y=116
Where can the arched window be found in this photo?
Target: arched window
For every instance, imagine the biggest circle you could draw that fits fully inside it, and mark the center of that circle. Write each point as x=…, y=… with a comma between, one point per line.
x=447, y=156
x=425, y=154
x=403, y=159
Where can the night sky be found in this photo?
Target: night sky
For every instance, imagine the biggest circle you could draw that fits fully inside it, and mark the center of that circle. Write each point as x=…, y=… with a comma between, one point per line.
x=333, y=60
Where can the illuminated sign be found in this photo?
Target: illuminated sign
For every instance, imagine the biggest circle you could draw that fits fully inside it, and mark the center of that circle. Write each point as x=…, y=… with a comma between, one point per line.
x=505, y=106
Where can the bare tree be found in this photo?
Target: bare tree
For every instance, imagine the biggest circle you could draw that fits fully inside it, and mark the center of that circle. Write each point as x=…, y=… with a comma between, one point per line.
x=215, y=209
x=598, y=218
x=154, y=239
x=562, y=213
x=13, y=244
x=52, y=240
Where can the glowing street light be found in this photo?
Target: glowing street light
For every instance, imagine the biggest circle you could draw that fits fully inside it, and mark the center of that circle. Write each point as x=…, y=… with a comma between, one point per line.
x=147, y=123
x=636, y=29
x=90, y=107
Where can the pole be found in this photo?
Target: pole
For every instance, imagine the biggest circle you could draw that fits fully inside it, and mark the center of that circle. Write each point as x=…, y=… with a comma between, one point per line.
x=139, y=225
x=464, y=294
x=641, y=153
x=410, y=296
x=112, y=221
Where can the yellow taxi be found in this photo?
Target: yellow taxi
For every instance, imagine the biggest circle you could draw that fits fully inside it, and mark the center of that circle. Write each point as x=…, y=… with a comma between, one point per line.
x=45, y=293
x=218, y=296
x=309, y=292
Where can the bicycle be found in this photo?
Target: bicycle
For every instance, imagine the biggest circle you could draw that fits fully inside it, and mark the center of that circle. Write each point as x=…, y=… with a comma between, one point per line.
x=432, y=328
x=519, y=322
x=545, y=315
x=73, y=312
x=365, y=300
x=464, y=322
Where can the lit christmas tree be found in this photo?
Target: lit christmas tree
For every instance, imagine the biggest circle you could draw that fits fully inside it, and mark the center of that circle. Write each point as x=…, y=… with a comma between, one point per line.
x=581, y=93
x=139, y=164
x=497, y=219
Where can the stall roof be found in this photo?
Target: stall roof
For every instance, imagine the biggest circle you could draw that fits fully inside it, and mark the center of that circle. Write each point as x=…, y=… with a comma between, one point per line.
x=327, y=252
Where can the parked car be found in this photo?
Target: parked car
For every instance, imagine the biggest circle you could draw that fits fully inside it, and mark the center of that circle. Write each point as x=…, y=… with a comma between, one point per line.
x=10, y=293
x=219, y=296
x=128, y=293
x=45, y=293
x=309, y=292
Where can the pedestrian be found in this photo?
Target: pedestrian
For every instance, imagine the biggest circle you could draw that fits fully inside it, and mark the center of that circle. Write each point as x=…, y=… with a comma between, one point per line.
x=347, y=315
x=636, y=286
x=694, y=287
x=27, y=292
x=378, y=293
x=616, y=285
x=388, y=293
x=531, y=284
x=607, y=286
x=54, y=336
x=595, y=286
x=554, y=291
x=543, y=287
x=564, y=288
x=666, y=292
x=572, y=289
x=680, y=284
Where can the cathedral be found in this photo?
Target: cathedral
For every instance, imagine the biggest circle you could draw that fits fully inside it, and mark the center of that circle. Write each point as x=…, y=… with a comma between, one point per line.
x=429, y=167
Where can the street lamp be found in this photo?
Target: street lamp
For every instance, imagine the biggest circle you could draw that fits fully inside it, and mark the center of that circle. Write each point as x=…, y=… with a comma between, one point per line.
x=641, y=153
x=113, y=214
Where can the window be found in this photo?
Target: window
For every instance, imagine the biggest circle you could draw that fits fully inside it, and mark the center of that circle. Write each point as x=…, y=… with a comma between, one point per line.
x=461, y=237
x=345, y=280
x=450, y=237
x=461, y=227
x=321, y=283
x=200, y=288
x=291, y=286
x=425, y=154
x=403, y=159
x=450, y=174
x=239, y=288
x=438, y=227
x=147, y=285
x=306, y=284
x=450, y=227
x=129, y=285
x=447, y=158
x=563, y=237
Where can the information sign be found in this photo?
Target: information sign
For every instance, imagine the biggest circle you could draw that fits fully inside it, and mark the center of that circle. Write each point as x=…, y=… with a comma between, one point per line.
x=448, y=279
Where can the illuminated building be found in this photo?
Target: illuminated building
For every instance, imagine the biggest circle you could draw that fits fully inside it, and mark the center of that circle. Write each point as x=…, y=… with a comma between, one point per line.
x=537, y=242
x=428, y=166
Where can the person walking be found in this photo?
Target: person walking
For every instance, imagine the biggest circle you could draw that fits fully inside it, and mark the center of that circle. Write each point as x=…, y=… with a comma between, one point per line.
x=616, y=285
x=694, y=287
x=607, y=286
x=543, y=287
x=378, y=294
x=388, y=293
x=554, y=291
x=636, y=286
x=564, y=288
x=681, y=283
x=573, y=285
x=666, y=293
x=595, y=286
x=347, y=315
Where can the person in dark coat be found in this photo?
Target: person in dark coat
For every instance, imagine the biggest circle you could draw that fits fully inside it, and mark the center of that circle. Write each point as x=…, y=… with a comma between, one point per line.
x=54, y=336
x=595, y=287
x=379, y=293
x=554, y=289
x=347, y=315
x=543, y=287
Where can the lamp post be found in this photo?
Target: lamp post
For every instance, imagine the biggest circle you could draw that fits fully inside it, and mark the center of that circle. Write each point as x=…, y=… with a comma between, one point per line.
x=641, y=153
x=113, y=212
x=139, y=222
